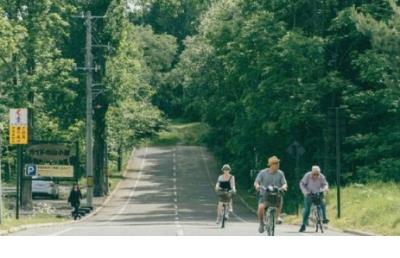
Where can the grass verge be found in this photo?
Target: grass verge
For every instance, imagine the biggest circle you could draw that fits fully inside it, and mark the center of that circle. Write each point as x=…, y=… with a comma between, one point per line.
x=9, y=223
x=180, y=133
x=373, y=208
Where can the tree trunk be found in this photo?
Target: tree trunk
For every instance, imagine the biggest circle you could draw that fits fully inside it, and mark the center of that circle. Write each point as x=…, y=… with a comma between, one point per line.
x=99, y=151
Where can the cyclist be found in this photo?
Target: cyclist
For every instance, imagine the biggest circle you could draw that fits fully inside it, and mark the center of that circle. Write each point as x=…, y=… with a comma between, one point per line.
x=313, y=182
x=266, y=177
x=226, y=182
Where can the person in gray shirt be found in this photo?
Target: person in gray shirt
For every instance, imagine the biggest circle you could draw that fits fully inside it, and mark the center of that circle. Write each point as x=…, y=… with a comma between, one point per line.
x=313, y=182
x=271, y=176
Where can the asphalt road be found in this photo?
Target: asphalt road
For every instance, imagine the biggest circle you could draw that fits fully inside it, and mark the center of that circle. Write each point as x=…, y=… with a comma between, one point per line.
x=167, y=192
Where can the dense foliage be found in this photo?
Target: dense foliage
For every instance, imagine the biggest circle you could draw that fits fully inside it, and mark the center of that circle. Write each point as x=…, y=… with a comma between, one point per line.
x=261, y=74
x=41, y=44
x=264, y=74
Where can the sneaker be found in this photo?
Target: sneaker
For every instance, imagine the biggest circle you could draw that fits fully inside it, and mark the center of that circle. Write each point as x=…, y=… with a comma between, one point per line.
x=325, y=221
x=279, y=220
x=261, y=228
x=303, y=228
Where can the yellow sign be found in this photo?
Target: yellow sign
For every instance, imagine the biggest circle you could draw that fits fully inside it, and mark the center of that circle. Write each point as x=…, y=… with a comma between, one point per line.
x=55, y=171
x=89, y=181
x=18, y=126
x=18, y=134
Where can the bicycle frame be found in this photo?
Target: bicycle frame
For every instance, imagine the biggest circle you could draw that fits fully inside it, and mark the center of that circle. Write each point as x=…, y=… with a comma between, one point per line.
x=271, y=209
x=225, y=210
x=269, y=220
x=316, y=213
x=225, y=206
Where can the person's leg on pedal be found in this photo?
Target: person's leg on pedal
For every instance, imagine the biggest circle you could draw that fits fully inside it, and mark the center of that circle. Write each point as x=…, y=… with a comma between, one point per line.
x=219, y=212
x=260, y=214
x=325, y=220
x=278, y=211
x=306, y=213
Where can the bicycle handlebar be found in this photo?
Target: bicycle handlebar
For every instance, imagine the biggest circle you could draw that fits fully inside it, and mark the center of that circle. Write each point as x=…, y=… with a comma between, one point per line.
x=271, y=189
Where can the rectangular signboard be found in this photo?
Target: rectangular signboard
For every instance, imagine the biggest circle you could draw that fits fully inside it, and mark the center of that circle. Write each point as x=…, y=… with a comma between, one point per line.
x=18, y=135
x=55, y=171
x=19, y=116
x=19, y=126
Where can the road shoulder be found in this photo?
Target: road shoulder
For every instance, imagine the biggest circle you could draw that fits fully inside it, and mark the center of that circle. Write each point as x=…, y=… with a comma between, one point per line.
x=99, y=203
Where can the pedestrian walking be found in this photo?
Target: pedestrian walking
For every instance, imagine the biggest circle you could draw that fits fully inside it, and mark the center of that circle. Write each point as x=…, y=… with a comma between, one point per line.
x=74, y=199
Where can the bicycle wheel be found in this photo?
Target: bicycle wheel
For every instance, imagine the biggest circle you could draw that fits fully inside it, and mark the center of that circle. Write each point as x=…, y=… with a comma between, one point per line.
x=319, y=220
x=223, y=216
x=272, y=222
x=312, y=218
x=266, y=216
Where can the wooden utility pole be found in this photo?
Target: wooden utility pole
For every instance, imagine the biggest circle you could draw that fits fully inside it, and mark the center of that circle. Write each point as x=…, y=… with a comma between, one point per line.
x=1, y=192
x=89, y=109
x=338, y=172
x=89, y=68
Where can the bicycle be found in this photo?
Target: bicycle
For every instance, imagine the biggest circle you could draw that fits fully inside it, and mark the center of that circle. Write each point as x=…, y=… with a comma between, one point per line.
x=316, y=210
x=225, y=197
x=272, y=197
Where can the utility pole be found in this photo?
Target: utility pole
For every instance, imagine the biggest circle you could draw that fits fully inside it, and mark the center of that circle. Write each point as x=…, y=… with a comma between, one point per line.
x=89, y=109
x=337, y=110
x=19, y=175
x=26, y=181
x=106, y=170
x=89, y=68
x=1, y=191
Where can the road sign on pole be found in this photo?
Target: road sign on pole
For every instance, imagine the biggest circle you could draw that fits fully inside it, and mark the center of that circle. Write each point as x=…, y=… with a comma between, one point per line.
x=18, y=136
x=1, y=190
x=31, y=170
x=19, y=126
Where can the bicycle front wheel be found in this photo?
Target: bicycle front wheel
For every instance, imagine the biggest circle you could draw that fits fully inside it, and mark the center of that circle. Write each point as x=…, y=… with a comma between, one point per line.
x=319, y=219
x=272, y=222
x=223, y=219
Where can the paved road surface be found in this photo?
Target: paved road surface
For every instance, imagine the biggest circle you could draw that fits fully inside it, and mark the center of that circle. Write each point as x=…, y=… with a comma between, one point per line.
x=167, y=192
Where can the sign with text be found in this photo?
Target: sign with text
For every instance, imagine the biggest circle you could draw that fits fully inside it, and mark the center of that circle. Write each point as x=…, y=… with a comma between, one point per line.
x=55, y=171
x=19, y=126
x=50, y=152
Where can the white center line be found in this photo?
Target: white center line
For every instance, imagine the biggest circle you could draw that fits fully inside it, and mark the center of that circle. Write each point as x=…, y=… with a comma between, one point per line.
x=179, y=230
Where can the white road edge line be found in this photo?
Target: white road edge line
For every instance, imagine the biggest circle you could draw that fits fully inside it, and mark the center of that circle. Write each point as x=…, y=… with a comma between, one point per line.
x=61, y=232
x=179, y=231
x=103, y=204
x=133, y=190
x=209, y=177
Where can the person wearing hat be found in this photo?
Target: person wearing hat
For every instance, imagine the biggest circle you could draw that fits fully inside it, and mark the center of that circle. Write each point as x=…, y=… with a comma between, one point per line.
x=225, y=182
x=313, y=182
x=267, y=177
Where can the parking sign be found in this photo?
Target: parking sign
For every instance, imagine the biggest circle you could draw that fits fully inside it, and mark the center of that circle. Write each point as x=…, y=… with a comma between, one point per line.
x=31, y=170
